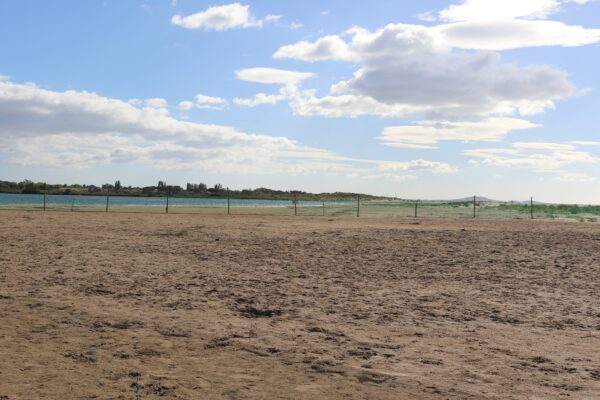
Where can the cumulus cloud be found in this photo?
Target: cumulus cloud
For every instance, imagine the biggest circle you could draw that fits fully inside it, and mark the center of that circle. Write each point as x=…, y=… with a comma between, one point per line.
x=425, y=134
x=408, y=70
x=450, y=70
x=80, y=129
x=327, y=48
x=289, y=79
x=210, y=102
x=259, y=99
x=156, y=102
x=222, y=18
x=348, y=105
x=539, y=156
x=204, y=102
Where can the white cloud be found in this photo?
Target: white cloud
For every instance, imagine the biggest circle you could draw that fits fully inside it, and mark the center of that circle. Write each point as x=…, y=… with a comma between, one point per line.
x=514, y=34
x=425, y=134
x=186, y=105
x=510, y=24
x=272, y=75
x=585, y=142
x=575, y=177
x=415, y=165
x=155, y=102
x=544, y=146
x=539, y=156
x=289, y=91
x=209, y=102
x=259, y=99
x=296, y=25
x=470, y=10
x=289, y=79
x=327, y=48
x=407, y=70
x=204, y=102
x=307, y=104
x=78, y=129
x=391, y=177
x=221, y=18
x=427, y=16
x=272, y=17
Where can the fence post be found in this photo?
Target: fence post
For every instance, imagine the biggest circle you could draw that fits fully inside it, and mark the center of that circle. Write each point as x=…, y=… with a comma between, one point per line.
x=323, y=208
x=295, y=205
x=227, y=201
x=167, y=209
x=416, y=207
x=531, y=207
x=358, y=205
x=107, y=197
x=474, y=206
x=44, y=197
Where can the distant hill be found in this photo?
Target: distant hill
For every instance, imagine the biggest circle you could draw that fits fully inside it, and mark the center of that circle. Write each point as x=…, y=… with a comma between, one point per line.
x=478, y=199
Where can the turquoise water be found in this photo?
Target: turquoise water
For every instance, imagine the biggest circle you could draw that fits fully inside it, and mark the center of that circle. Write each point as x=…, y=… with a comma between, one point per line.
x=37, y=200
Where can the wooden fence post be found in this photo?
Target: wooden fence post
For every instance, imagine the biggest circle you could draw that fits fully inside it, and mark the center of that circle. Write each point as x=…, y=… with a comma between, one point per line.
x=44, y=197
x=358, y=205
x=227, y=201
x=295, y=205
x=531, y=207
x=167, y=209
x=416, y=207
x=474, y=206
x=323, y=208
x=107, y=197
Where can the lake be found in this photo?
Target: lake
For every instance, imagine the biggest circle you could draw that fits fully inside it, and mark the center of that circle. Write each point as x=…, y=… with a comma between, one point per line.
x=37, y=200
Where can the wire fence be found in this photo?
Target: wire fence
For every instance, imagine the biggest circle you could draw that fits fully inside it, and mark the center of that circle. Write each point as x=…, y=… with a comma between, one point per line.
x=323, y=208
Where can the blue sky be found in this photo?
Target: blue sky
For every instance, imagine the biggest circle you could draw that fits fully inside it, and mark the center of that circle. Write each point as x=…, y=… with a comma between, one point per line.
x=429, y=99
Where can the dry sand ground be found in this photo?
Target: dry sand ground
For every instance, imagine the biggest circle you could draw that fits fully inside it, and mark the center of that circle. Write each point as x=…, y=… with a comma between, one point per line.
x=118, y=306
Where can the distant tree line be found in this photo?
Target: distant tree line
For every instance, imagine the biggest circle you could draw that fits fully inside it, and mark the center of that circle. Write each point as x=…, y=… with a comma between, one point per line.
x=162, y=189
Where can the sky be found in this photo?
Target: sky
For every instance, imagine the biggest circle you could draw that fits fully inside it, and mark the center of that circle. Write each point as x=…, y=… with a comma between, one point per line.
x=421, y=99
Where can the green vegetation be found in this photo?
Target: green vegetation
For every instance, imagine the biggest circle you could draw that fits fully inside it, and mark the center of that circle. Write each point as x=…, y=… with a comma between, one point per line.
x=162, y=189
x=346, y=202
x=26, y=187
x=550, y=210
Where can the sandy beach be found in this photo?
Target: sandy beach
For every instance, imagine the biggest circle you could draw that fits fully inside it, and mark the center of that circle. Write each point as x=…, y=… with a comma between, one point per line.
x=137, y=306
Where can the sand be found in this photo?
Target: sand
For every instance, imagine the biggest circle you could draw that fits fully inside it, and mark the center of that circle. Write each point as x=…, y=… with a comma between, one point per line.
x=134, y=306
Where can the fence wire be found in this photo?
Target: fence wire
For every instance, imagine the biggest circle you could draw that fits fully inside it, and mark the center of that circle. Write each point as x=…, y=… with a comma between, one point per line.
x=300, y=208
